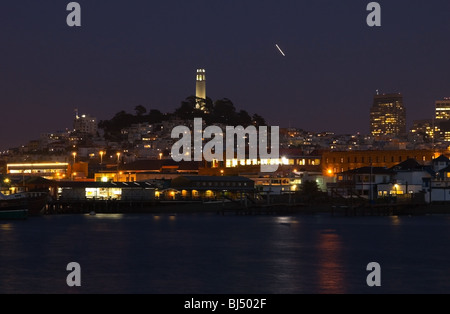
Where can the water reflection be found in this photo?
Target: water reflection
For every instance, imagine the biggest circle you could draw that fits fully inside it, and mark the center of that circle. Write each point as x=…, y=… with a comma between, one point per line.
x=107, y=216
x=282, y=251
x=10, y=248
x=286, y=221
x=6, y=227
x=331, y=279
x=395, y=221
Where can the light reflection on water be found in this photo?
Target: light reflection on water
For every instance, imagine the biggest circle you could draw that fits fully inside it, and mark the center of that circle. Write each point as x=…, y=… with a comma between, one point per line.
x=330, y=263
x=105, y=216
x=225, y=254
x=6, y=226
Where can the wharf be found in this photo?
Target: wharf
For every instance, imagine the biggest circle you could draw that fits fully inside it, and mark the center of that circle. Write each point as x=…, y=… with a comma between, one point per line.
x=238, y=208
x=134, y=206
x=183, y=206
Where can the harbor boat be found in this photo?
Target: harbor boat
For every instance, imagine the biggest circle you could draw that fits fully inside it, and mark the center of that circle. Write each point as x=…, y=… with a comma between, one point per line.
x=21, y=205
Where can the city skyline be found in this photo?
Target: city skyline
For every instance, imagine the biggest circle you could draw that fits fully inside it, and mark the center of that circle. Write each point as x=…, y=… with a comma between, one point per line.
x=126, y=55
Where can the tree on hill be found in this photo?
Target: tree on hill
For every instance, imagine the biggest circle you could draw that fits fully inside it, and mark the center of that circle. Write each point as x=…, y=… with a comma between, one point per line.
x=258, y=121
x=155, y=116
x=244, y=118
x=224, y=112
x=140, y=110
x=113, y=127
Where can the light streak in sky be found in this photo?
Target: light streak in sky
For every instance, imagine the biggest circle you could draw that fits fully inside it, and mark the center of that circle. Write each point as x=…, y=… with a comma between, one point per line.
x=281, y=51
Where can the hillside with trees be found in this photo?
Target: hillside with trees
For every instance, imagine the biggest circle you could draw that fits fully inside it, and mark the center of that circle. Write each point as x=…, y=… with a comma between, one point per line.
x=219, y=111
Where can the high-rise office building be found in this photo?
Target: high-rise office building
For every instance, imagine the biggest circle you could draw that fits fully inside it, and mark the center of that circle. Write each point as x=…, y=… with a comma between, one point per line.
x=200, y=89
x=388, y=116
x=443, y=109
x=442, y=119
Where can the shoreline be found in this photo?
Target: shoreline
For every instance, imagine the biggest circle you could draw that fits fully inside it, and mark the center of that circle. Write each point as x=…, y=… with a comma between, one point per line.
x=239, y=208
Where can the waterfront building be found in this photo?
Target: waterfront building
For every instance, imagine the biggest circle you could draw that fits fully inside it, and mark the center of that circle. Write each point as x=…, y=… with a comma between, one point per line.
x=150, y=169
x=277, y=185
x=440, y=163
x=213, y=187
x=79, y=191
x=11, y=184
x=388, y=116
x=48, y=170
x=405, y=180
x=409, y=178
x=360, y=182
x=334, y=162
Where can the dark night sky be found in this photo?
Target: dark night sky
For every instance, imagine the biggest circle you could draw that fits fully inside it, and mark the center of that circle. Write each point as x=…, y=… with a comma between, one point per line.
x=129, y=53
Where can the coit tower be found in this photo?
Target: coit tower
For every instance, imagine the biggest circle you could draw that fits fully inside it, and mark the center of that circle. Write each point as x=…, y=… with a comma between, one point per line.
x=200, y=88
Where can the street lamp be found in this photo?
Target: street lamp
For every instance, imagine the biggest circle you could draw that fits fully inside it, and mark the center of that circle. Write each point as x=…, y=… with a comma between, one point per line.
x=101, y=156
x=160, y=155
x=74, y=154
x=118, y=162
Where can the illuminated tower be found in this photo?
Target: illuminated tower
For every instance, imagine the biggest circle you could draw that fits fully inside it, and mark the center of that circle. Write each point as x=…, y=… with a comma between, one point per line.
x=200, y=89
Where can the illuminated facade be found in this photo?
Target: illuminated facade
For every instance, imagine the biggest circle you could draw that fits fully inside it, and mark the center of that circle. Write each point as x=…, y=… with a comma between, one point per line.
x=200, y=89
x=138, y=191
x=118, y=176
x=285, y=163
x=48, y=170
x=388, y=116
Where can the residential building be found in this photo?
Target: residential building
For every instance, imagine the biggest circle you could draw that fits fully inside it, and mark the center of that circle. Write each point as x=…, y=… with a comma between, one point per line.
x=85, y=124
x=360, y=182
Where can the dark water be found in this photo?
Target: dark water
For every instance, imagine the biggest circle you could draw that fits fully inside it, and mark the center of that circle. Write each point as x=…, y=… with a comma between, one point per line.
x=213, y=254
